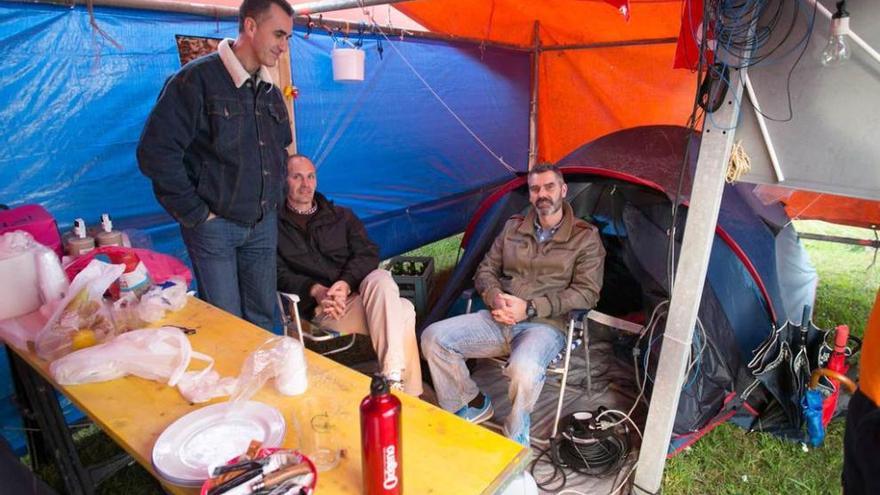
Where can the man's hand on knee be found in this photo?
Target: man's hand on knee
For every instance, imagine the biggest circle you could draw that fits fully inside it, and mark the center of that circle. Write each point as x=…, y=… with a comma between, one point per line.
x=327, y=306
x=318, y=292
x=332, y=308
x=339, y=290
x=509, y=310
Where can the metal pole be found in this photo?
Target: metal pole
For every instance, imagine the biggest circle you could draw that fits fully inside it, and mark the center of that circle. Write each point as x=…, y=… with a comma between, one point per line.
x=320, y=6
x=699, y=233
x=223, y=10
x=842, y=240
x=216, y=11
x=610, y=44
x=533, y=107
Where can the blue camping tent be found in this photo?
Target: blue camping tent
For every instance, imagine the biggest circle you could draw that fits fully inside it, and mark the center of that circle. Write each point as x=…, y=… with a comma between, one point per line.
x=626, y=184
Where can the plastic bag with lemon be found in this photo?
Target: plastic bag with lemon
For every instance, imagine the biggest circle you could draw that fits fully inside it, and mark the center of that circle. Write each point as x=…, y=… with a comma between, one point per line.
x=82, y=319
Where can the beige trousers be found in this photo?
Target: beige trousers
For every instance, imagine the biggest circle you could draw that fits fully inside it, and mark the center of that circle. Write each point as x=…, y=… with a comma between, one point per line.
x=378, y=310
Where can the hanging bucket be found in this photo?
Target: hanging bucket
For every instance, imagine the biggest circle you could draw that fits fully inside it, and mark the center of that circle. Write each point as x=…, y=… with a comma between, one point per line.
x=348, y=64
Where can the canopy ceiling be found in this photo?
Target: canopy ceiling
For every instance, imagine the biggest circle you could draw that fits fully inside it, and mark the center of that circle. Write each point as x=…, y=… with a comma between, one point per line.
x=625, y=79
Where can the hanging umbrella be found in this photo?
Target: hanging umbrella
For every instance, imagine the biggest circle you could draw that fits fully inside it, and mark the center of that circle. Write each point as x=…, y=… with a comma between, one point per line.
x=782, y=365
x=816, y=399
x=835, y=359
x=820, y=401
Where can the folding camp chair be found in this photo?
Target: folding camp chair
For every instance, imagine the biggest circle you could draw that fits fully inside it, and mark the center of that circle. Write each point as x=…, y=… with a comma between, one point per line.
x=577, y=336
x=315, y=333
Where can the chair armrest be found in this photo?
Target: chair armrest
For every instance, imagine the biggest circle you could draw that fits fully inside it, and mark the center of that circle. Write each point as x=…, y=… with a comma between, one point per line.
x=615, y=322
x=578, y=315
x=294, y=298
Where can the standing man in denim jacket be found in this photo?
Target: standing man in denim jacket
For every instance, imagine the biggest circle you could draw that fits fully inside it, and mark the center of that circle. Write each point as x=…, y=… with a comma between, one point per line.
x=215, y=148
x=539, y=268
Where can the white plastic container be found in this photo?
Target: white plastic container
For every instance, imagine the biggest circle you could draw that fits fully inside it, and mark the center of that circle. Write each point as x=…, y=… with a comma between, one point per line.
x=348, y=64
x=19, y=285
x=291, y=377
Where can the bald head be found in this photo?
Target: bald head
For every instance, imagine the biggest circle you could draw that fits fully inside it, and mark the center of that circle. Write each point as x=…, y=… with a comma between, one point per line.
x=301, y=182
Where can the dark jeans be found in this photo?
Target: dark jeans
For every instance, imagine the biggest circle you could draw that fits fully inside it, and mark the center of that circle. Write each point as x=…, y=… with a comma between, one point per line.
x=235, y=266
x=861, y=447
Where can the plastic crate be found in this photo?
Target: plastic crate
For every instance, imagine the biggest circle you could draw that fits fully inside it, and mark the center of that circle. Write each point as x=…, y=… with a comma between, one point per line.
x=416, y=288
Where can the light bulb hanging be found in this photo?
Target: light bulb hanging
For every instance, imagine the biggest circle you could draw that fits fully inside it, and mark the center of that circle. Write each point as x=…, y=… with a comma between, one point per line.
x=837, y=50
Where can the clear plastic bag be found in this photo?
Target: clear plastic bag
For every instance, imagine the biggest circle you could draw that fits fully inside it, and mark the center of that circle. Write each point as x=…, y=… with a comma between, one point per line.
x=202, y=386
x=162, y=354
x=82, y=318
x=170, y=296
x=281, y=358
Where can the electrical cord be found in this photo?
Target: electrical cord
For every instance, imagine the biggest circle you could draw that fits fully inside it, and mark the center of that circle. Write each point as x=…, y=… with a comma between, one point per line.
x=589, y=446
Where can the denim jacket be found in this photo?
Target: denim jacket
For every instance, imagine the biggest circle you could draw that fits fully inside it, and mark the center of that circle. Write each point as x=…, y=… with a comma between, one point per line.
x=210, y=147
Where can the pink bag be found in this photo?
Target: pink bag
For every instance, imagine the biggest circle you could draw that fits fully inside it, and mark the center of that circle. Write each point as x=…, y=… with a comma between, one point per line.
x=35, y=220
x=162, y=267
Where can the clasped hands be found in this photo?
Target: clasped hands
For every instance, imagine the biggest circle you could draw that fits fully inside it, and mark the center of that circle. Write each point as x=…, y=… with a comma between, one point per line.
x=508, y=309
x=331, y=300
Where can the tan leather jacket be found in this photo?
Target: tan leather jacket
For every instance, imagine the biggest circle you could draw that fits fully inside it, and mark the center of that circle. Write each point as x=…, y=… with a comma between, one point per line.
x=562, y=274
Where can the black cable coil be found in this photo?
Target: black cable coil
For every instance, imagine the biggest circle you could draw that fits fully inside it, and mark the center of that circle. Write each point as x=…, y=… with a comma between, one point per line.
x=586, y=446
x=590, y=447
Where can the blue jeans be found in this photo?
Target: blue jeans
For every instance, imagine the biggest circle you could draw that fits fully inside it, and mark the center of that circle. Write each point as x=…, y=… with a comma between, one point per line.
x=531, y=346
x=235, y=266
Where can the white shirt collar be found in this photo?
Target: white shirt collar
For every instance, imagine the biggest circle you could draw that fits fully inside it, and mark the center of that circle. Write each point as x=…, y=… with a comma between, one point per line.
x=236, y=70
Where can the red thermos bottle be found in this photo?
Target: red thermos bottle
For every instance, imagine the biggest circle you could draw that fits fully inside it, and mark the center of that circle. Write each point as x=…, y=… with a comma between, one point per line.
x=380, y=441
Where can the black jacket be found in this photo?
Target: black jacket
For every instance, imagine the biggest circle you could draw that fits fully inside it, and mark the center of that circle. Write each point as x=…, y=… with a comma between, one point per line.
x=211, y=147
x=333, y=247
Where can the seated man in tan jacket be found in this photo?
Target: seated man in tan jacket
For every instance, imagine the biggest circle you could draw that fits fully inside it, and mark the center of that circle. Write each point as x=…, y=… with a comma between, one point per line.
x=539, y=268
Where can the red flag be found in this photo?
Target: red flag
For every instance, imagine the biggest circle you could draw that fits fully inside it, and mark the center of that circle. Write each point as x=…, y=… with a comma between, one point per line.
x=622, y=6
x=687, y=53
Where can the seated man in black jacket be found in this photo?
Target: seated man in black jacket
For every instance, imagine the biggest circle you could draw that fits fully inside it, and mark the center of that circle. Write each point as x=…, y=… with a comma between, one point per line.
x=325, y=256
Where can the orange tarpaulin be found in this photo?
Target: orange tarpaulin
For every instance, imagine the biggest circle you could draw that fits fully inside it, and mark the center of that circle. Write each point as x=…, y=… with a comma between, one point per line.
x=562, y=22
x=583, y=92
x=806, y=205
x=586, y=94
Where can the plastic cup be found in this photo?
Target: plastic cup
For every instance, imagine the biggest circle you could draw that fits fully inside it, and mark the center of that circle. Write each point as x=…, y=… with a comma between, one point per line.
x=318, y=426
x=291, y=377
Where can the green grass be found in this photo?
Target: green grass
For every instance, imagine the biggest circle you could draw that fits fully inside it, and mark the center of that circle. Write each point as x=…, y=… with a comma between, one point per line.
x=728, y=460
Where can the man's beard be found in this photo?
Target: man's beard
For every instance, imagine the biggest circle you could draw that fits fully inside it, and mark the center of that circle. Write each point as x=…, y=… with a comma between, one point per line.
x=547, y=207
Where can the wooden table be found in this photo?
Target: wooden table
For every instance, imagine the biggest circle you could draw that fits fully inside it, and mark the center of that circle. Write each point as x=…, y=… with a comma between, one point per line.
x=442, y=454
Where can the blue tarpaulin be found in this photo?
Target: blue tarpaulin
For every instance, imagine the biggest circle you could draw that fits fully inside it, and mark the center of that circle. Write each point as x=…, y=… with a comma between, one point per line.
x=73, y=103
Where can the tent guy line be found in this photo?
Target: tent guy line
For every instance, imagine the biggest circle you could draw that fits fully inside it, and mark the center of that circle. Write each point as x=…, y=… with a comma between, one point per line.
x=470, y=131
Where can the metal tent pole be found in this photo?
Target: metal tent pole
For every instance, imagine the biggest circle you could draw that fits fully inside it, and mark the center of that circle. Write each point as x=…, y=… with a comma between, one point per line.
x=690, y=276
x=320, y=6
x=533, y=107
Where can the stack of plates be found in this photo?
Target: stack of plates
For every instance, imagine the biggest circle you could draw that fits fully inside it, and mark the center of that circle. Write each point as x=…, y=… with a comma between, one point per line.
x=187, y=450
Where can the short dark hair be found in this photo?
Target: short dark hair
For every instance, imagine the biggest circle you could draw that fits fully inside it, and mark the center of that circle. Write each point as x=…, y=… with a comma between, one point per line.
x=254, y=8
x=547, y=167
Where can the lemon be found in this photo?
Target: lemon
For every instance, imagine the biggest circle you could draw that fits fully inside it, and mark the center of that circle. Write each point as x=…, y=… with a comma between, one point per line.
x=83, y=338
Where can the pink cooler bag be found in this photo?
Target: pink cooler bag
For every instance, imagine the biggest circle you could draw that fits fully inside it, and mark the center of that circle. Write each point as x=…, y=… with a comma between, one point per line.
x=35, y=220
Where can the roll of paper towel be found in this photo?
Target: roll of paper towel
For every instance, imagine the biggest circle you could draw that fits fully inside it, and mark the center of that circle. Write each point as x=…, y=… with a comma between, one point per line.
x=290, y=378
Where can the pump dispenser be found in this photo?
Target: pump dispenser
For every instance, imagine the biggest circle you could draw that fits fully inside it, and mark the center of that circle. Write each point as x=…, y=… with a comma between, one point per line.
x=107, y=236
x=80, y=242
